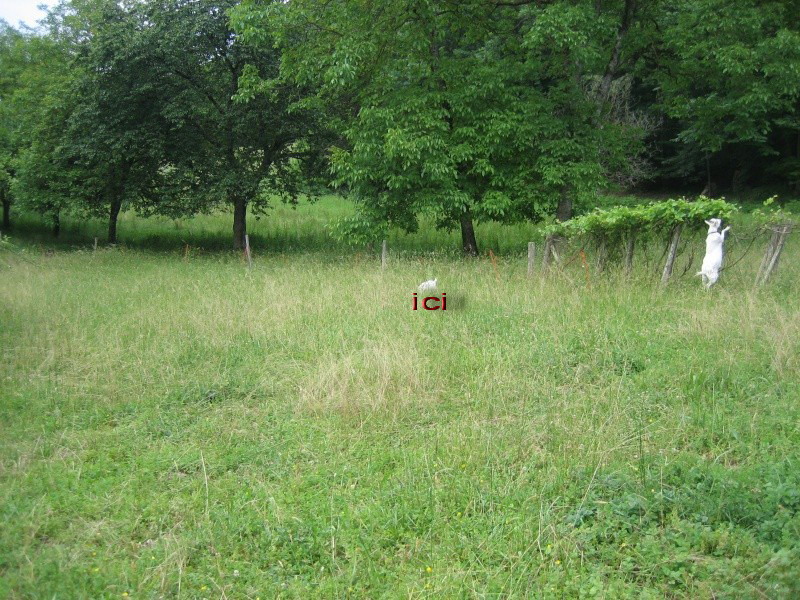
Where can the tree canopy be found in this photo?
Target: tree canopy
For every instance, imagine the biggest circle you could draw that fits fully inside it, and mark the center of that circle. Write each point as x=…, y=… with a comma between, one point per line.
x=462, y=111
x=456, y=111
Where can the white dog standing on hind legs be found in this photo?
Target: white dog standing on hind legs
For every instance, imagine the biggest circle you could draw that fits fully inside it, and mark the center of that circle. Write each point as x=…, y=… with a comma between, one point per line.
x=712, y=262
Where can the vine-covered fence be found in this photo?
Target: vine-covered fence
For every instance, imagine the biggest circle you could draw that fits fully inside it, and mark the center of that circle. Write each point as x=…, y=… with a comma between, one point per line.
x=620, y=227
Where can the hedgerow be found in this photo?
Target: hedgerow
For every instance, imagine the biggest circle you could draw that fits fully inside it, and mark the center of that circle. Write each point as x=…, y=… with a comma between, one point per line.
x=657, y=217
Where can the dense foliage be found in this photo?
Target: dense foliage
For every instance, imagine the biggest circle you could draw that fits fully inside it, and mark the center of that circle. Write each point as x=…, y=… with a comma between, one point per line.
x=659, y=216
x=455, y=112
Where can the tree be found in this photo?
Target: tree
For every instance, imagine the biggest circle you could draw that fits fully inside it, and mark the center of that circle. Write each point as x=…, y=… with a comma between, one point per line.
x=148, y=113
x=463, y=111
x=229, y=145
x=727, y=75
x=117, y=132
x=11, y=62
x=95, y=135
x=33, y=111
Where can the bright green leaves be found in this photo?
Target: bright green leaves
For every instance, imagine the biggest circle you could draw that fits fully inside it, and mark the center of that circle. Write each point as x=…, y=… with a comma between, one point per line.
x=570, y=33
x=34, y=111
x=496, y=204
x=465, y=109
x=728, y=69
x=659, y=216
x=770, y=215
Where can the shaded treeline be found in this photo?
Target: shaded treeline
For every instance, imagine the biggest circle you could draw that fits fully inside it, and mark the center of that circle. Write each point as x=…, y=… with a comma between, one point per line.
x=466, y=111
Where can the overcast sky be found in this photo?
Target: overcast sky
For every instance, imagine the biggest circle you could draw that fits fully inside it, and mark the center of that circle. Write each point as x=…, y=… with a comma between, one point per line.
x=15, y=11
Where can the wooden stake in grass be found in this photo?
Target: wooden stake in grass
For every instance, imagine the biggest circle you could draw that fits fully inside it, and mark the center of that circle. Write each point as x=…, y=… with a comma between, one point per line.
x=630, y=242
x=384, y=255
x=773, y=253
x=95, y=245
x=247, y=251
x=493, y=258
x=585, y=267
x=672, y=254
x=549, y=251
x=205, y=475
x=531, y=257
x=602, y=254
x=553, y=249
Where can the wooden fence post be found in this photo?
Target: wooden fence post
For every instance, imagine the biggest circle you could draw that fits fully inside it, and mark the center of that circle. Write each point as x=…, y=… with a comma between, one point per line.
x=95, y=245
x=773, y=253
x=602, y=254
x=630, y=243
x=548, y=251
x=531, y=257
x=384, y=255
x=776, y=254
x=493, y=258
x=247, y=251
x=671, y=254
x=766, y=259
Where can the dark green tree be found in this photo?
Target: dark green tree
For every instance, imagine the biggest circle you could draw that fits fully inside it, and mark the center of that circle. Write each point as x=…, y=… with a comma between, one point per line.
x=229, y=146
x=33, y=112
x=12, y=63
x=463, y=111
x=97, y=134
x=726, y=76
x=117, y=132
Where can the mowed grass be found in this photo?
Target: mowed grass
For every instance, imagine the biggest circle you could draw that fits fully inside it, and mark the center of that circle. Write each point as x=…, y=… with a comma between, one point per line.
x=176, y=426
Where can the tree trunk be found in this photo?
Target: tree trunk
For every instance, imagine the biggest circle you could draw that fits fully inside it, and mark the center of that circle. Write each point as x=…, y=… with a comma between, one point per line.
x=736, y=181
x=564, y=210
x=797, y=181
x=773, y=253
x=56, y=224
x=613, y=63
x=709, y=189
x=6, y=212
x=468, y=242
x=113, y=214
x=239, y=222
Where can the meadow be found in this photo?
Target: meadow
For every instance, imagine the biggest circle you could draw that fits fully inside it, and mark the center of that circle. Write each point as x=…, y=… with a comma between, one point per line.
x=176, y=425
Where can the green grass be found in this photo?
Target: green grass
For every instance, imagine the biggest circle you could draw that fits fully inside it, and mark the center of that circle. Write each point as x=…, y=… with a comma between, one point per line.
x=284, y=229
x=178, y=426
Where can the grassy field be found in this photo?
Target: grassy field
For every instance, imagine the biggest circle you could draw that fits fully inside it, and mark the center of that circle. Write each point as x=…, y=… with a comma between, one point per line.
x=173, y=425
x=285, y=229
x=306, y=227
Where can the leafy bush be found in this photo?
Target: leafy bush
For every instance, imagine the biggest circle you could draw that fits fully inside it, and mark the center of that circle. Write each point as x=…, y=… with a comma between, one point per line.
x=358, y=230
x=775, y=215
x=660, y=216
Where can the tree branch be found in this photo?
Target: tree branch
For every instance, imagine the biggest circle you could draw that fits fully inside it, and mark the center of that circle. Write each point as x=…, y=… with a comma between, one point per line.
x=613, y=63
x=200, y=89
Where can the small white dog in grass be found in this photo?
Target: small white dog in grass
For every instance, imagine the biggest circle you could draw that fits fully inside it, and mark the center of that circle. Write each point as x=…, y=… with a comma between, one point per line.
x=712, y=263
x=427, y=286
